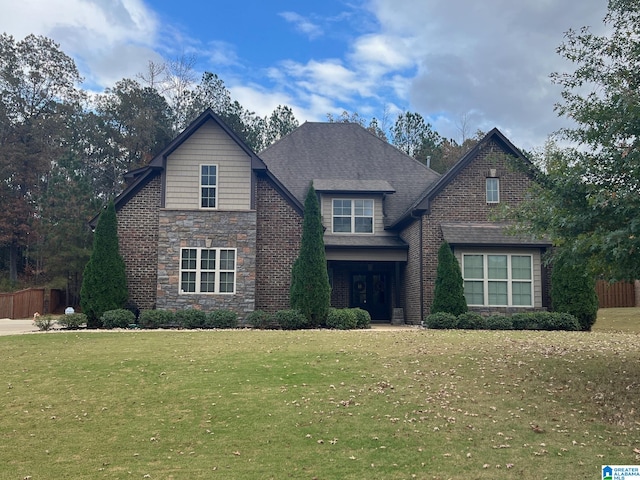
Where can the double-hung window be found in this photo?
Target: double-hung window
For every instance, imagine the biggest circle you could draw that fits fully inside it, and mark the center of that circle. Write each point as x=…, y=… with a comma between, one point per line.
x=493, y=190
x=498, y=280
x=208, y=270
x=208, y=186
x=352, y=215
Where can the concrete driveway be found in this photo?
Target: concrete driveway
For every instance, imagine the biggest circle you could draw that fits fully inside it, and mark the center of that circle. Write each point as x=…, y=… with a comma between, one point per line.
x=12, y=327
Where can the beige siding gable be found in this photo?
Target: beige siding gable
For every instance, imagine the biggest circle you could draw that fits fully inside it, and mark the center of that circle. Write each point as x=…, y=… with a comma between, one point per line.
x=209, y=145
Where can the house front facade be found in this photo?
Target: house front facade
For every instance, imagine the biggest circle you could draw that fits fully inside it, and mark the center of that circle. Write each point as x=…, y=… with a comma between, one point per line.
x=209, y=224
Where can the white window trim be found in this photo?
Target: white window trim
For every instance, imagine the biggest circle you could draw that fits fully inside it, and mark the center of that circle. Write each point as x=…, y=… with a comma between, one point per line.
x=353, y=216
x=487, y=189
x=509, y=279
x=201, y=186
x=198, y=270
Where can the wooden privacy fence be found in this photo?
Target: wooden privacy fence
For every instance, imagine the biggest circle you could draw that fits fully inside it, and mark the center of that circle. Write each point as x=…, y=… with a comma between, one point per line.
x=25, y=303
x=618, y=294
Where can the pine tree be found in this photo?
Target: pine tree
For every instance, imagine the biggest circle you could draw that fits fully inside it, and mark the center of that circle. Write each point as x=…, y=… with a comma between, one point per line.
x=573, y=290
x=310, y=290
x=449, y=291
x=104, y=282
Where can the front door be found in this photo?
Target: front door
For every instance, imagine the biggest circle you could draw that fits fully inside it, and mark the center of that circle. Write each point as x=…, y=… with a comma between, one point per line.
x=370, y=291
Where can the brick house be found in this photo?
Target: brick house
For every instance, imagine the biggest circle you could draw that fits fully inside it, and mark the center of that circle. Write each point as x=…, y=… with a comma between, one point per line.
x=209, y=224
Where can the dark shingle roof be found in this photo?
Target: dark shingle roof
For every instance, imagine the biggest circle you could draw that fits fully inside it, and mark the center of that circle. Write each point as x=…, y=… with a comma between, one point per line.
x=486, y=234
x=347, y=151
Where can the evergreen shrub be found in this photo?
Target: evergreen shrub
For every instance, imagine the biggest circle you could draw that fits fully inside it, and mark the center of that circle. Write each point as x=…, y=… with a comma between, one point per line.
x=310, y=292
x=441, y=320
x=261, y=319
x=498, y=322
x=156, y=318
x=222, y=318
x=190, y=318
x=363, y=319
x=72, y=321
x=291, y=319
x=342, y=318
x=573, y=290
x=117, y=318
x=449, y=288
x=470, y=321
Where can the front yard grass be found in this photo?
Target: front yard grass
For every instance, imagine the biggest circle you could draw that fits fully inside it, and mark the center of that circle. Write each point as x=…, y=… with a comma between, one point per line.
x=370, y=404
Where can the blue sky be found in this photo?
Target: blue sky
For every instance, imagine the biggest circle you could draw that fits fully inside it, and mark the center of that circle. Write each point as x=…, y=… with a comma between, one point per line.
x=462, y=64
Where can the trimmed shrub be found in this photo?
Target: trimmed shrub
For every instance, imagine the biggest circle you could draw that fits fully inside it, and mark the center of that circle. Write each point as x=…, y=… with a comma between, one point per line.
x=448, y=295
x=573, y=290
x=156, y=318
x=342, y=318
x=72, y=321
x=559, y=321
x=498, y=322
x=221, y=319
x=260, y=319
x=104, y=281
x=190, y=318
x=470, y=321
x=363, y=319
x=525, y=321
x=291, y=319
x=118, y=318
x=310, y=292
x=441, y=320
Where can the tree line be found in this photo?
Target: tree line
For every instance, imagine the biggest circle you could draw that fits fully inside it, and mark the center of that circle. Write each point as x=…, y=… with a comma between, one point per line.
x=63, y=150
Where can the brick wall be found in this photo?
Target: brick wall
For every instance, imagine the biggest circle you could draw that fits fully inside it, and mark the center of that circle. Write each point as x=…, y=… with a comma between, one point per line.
x=411, y=277
x=138, y=239
x=464, y=199
x=279, y=230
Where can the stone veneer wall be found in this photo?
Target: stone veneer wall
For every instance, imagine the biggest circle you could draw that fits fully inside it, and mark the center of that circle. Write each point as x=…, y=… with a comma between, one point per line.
x=279, y=230
x=464, y=199
x=138, y=240
x=206, y=229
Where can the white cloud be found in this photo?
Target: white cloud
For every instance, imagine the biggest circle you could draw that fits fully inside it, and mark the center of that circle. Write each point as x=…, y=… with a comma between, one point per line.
x=303, y=24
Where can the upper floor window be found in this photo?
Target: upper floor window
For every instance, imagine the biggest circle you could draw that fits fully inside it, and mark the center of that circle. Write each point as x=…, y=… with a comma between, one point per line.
x=208, y=270
x=498, y=280
x=493, y=190
x=352, y=216
x=208, y=186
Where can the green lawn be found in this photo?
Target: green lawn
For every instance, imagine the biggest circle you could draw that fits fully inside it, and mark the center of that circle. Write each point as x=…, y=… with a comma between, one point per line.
x=320, y=404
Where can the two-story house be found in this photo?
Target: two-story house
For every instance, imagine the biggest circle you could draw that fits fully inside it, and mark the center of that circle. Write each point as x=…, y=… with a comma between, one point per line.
x=210, y=224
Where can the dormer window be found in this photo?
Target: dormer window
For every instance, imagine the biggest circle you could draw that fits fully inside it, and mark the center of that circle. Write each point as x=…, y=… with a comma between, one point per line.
x=493, y=190
x=352, y=215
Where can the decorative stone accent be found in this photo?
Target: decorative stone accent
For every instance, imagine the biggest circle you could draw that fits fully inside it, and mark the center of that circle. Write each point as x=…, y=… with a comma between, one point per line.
x=206, y=229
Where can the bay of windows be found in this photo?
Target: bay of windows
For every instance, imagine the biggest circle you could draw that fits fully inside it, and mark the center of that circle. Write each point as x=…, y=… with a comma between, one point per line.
x=208, y=270
x=352, y=216
x=498, y=280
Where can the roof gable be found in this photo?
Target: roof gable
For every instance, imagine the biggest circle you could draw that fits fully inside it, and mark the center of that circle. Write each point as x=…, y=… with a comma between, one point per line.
x=422, y=203
x=347, y=156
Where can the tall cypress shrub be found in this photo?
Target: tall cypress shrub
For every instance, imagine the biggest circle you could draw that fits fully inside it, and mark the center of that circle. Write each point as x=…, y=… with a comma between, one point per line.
x=104, y=282
x=449, y=291
x=310, y=290
x=573, y=290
